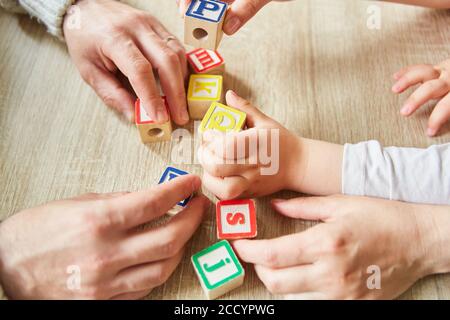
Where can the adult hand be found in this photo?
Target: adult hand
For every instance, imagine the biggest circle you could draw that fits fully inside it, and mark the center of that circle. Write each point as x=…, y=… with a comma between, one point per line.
x=96, y=238
x=239, y=13
x=340, y=258
x=113, y=37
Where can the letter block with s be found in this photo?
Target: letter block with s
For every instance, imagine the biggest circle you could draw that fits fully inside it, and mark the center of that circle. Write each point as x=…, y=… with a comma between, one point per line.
x=203, y=23
x=236, y=219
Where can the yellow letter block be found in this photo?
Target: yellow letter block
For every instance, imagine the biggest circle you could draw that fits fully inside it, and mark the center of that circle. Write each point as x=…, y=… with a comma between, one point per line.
x=223, y=118
x=203, y=89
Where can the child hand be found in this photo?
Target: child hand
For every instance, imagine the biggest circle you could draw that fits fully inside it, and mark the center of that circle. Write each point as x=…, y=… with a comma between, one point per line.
x=261, y=160
x=435, y=84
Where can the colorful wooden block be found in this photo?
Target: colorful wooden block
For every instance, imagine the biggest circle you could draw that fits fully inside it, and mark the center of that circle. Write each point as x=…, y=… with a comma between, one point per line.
x=148, y=129
x=218, y=269
x=223, y=118
x=169, y=174
x=204, y=61
x=202, y=91
x=203, y=23
x=236, y=219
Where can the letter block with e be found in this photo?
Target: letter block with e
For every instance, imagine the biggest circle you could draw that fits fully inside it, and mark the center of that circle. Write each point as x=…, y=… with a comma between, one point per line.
x=236, y=219
x=222, y=118
x=202, y=91
x=218, y=269
x=203, y=61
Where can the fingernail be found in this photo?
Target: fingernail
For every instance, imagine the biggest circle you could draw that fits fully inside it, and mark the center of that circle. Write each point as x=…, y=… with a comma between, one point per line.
x=184, y=116
x=395, y=88
x=232, y=25
x=431, y=132
x=277, y=201
x=232, y=93
x=405, y=110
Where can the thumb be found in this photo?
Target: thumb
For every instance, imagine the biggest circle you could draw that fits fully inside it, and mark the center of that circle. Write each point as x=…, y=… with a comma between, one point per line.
x=240, y=12
x=254, y=115
x=307, y=208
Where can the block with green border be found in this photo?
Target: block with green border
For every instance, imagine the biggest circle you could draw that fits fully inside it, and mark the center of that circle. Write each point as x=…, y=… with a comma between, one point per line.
x=218, y=269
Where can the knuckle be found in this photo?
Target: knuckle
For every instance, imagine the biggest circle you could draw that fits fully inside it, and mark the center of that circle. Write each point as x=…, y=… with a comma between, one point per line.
x=230, y=192
x=170, y=246
x=270, y=257
x=273, y=284
x=169, y=56
x=93, y=293
x=335, y=243
x=161, y=274
x=251, y=7
x=141, y=67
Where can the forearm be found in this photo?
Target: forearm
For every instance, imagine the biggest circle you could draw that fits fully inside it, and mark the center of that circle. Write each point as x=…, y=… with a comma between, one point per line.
x=433, y=238
x=437, y=4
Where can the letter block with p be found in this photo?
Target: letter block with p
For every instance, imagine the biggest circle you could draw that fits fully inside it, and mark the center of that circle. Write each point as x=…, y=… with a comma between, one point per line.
x=203, y=23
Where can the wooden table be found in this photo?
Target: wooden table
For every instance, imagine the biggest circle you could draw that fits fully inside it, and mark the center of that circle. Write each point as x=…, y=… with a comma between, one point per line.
x=313, y=65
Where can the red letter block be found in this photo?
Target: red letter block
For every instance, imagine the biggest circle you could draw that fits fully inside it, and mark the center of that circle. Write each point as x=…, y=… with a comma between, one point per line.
x=236, y=219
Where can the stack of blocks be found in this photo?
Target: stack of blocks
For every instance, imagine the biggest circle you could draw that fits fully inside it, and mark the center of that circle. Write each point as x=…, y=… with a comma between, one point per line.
x=217, y=267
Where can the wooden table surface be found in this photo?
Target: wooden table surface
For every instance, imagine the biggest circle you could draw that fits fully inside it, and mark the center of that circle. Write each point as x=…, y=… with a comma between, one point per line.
x=312, y=65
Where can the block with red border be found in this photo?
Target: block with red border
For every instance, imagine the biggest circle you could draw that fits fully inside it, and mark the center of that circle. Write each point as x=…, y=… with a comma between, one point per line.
x=204, y=61
x=149, y=130
x=236, y=219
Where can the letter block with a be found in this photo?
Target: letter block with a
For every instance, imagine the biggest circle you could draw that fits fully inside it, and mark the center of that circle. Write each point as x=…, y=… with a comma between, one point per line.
x=222, y=118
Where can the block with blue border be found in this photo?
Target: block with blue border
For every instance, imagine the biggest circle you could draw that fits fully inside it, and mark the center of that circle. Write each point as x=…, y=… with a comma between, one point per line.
x=169, y=174
x=203, y=23
x=207, y=10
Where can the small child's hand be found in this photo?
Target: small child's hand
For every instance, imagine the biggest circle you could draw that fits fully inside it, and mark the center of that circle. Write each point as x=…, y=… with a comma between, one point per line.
x=258, y=161
x=435, y=84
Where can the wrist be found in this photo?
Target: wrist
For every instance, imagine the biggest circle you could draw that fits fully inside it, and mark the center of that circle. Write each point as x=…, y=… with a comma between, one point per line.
x=434, y=238
x=319, y=169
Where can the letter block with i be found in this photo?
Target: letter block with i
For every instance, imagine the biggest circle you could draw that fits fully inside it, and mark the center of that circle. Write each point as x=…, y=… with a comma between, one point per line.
x=203, y=23
x=236, y=219
x=218, y=269
x=203, y=61
x=222, y=118
x=202, y=91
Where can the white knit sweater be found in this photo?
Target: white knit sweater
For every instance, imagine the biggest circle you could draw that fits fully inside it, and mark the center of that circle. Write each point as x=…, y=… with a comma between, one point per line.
x=49, y=12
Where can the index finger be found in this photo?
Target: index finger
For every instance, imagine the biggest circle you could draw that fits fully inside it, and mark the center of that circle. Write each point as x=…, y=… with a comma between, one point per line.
x=282, y=252
x=140, y=207
x=139, y=71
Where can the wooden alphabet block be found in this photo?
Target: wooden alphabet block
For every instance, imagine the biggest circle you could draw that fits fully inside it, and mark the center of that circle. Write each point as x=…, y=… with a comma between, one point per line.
x=223, y=118
x=203, y=23
x=202, y=91
x=169, y=174
x=148, y=129
x=218, y=269
x=203, y=61
x=236, y=219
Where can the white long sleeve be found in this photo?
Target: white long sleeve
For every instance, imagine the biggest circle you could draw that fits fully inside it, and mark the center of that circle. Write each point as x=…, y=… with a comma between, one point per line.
x=50, y=12
x=406, y=174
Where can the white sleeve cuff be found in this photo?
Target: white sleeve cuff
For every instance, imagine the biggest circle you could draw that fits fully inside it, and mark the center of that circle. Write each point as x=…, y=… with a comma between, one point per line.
x=50, y=12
